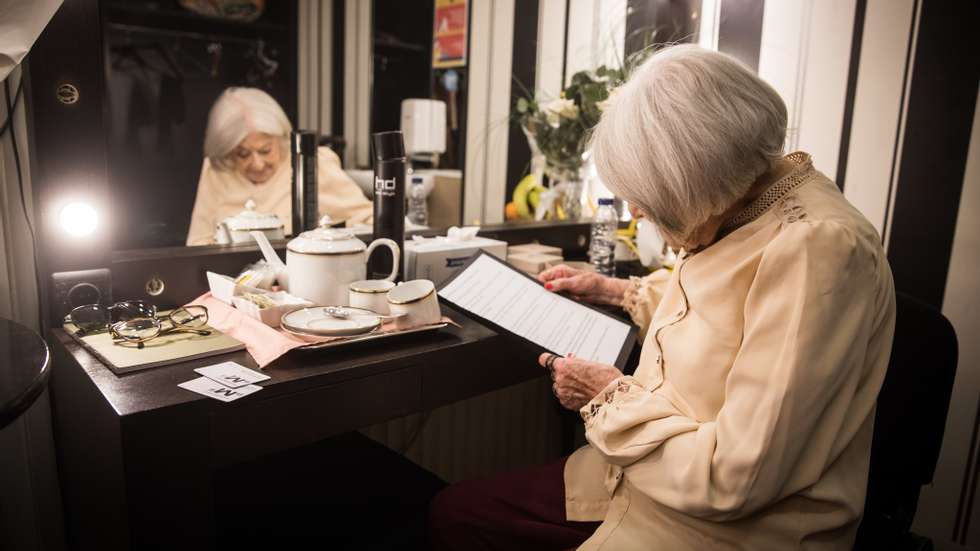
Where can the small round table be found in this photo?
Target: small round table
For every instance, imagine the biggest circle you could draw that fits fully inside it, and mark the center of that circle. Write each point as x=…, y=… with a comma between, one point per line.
x=25, y=366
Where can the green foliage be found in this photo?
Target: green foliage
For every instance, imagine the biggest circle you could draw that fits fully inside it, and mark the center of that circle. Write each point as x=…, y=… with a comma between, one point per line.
x=560, y=131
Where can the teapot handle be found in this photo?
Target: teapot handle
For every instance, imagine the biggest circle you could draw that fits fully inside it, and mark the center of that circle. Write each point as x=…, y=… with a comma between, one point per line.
x=222, y=234
x=395, y=254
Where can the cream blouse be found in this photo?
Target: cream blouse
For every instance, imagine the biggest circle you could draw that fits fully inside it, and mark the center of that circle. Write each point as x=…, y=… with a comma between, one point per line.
x=748, y=422
x=223, y=193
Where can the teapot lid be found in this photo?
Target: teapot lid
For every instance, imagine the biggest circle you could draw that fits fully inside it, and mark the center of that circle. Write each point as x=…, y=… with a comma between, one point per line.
x=248, y=220
x=325, y=240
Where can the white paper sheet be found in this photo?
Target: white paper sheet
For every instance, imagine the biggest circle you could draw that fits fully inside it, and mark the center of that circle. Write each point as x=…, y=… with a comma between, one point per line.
x=498, y=293
x=231, y=374
x=218, y=391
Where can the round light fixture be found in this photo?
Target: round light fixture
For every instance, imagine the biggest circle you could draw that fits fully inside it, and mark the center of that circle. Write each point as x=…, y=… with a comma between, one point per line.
x=78, y=219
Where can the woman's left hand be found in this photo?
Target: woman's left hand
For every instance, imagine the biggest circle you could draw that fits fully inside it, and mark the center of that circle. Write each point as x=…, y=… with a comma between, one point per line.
x=577, y=381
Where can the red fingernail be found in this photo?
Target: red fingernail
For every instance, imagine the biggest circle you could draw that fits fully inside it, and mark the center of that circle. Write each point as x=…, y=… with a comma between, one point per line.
x=547, y=286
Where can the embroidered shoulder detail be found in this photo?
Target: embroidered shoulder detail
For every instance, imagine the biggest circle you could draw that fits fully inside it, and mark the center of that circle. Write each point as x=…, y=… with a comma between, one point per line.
x=776, y=192
x=791, y=210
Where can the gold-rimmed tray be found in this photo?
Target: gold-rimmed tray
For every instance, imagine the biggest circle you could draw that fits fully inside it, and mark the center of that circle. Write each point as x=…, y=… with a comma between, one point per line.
x=376, y=335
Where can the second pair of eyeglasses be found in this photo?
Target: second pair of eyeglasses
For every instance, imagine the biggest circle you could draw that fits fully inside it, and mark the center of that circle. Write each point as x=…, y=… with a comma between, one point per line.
x=135, y=322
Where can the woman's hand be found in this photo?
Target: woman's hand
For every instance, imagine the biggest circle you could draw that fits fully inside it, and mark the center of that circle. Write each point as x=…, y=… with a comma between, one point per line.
x=577, y=381
x=584, y=285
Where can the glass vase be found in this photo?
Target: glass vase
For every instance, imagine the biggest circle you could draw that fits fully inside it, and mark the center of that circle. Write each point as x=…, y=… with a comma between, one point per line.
x=571, y=197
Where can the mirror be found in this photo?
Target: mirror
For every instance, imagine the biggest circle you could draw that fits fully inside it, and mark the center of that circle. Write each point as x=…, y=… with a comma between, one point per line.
x=167, y=63
x=342, y=68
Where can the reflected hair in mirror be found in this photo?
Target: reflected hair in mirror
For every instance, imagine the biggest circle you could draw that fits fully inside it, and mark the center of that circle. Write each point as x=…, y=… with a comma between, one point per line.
x=237, y=113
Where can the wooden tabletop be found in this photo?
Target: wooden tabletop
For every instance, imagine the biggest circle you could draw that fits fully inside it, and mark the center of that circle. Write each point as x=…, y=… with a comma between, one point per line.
x=153, y=389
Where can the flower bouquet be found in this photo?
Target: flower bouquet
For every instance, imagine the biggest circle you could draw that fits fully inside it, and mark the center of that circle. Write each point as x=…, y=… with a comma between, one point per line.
x=557, y=131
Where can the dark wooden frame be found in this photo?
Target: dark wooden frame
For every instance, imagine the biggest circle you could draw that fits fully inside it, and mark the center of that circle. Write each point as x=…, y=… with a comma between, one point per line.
x=69, y=162
x=182, y=269
x=68, y=148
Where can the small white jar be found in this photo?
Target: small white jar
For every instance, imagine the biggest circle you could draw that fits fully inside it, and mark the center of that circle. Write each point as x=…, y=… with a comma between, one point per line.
x=370, y=294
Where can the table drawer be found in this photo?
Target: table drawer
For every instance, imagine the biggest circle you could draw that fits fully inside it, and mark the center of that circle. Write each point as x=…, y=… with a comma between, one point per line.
x=305, y=417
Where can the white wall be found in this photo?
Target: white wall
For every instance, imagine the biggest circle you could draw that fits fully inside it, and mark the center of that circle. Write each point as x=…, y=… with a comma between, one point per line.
x=551, y=48
x=488, y=110
x=805, y=54
x=358, y=77
x=596, y=35
x=314, y=60
x=877, y=107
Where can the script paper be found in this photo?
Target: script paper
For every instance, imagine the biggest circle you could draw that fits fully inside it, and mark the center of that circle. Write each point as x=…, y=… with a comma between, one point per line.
x=499, y=294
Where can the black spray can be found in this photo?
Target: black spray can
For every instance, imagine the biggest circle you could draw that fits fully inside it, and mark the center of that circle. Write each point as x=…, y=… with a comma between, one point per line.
x=306, y=208
x=389, y=199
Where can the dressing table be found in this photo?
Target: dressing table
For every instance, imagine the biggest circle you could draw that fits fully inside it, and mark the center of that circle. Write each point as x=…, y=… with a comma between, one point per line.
x=139, y=455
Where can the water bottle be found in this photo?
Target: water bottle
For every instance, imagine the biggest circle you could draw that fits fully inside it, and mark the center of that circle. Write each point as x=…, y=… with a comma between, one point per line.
x=602, y=247
x=389, y=197
x=418, y=211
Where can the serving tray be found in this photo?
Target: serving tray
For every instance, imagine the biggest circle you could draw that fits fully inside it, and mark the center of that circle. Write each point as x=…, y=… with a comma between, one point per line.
x=375, y=335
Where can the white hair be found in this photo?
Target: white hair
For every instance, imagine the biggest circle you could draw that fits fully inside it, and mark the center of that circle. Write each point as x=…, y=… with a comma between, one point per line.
x=687, y=135
x=237, y=113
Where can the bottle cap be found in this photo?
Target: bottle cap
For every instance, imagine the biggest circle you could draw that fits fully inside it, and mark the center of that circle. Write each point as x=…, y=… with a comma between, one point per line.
x=304, y=142
x=388, y=145
x=605, y=201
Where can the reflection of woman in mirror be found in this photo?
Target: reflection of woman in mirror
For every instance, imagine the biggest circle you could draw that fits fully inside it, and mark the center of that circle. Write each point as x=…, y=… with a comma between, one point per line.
x=246, y=150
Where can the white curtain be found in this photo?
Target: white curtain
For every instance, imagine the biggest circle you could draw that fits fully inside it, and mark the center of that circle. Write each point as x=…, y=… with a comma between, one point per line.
x=21, y=21
x=18, y=287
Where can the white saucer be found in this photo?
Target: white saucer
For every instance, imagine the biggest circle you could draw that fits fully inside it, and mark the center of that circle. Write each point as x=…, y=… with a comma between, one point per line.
x=316, y=321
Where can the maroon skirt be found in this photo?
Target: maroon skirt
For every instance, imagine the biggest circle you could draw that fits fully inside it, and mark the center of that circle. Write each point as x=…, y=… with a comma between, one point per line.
x=513, y=511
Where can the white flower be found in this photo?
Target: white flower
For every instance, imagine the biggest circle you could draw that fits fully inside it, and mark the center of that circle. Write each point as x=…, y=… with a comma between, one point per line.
x=561, y=107
x=554, y=120
x=604, y=104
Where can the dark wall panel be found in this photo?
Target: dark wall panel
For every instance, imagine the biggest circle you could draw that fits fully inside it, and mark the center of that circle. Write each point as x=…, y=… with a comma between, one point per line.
x=942, y=98
x=523, y=68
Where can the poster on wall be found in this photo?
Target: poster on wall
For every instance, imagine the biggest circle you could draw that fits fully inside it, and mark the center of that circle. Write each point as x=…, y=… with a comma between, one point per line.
x=449, y=34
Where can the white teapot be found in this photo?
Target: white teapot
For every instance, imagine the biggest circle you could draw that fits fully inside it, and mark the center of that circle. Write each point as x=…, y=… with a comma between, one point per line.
x=322, y=263
x=238, y=229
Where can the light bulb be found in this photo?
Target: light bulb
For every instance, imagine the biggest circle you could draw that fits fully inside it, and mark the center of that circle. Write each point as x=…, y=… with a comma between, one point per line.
x=78, y=219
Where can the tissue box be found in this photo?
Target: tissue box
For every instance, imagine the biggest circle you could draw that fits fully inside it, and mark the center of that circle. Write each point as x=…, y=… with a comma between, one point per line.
x=533, y=263
x=534, y=248
x=437, y=258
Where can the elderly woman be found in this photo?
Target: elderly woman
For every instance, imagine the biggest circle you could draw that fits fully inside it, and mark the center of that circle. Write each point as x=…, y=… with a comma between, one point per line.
x=748, y=422
x=246, y=150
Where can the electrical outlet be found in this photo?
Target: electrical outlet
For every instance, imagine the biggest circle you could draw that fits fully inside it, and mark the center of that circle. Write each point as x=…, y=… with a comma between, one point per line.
x=72, y=289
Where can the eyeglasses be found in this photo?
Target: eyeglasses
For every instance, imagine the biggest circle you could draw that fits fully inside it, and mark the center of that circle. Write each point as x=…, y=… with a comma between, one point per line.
x=91, y=318
x=136, y=321
x=187, y=319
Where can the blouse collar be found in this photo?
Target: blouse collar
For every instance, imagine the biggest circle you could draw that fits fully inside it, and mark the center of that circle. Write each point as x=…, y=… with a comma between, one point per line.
x=775, y=193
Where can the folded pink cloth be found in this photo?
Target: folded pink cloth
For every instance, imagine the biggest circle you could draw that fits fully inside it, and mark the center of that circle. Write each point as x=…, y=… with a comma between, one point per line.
x=264, y=343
